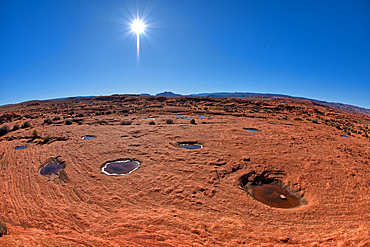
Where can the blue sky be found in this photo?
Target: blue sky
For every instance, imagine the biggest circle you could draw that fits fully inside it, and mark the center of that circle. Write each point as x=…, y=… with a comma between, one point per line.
x=314, y=49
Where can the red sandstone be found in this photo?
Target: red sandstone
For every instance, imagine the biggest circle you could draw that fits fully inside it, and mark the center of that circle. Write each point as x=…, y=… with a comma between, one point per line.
x=184, y=197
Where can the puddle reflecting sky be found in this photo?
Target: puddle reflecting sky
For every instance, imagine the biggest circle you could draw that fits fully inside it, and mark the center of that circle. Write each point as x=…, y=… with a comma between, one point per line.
x=22, y=147
x=50, y=169
x=191, y=146
x=120, y=167
x=88, y=137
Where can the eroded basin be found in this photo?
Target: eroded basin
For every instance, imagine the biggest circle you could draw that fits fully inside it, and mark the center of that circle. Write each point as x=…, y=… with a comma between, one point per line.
x=267, y=188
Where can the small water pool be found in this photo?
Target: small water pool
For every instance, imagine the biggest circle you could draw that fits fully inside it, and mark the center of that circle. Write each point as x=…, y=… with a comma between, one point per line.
x=148, y=119
x=22, y=147
x=88, y=137
x=191, y=146
x=252, y=129
x=344, y=136
x=274, y=195
x=120, y=167
x=51, y=169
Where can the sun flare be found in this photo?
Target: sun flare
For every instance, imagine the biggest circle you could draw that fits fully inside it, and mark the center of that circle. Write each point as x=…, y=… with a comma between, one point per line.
x=138, y=26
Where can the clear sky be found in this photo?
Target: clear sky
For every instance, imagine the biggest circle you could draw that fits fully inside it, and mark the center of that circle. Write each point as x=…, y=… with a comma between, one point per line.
x=60, y=48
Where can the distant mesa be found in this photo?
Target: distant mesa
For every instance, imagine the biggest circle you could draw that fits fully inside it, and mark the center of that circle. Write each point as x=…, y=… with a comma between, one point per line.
x=168, y=94
x=163, y=94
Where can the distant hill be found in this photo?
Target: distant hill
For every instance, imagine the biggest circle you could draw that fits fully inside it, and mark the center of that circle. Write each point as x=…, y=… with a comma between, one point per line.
x=345, y=107
x=73, y=97
x=237, y=94
x=168, y=94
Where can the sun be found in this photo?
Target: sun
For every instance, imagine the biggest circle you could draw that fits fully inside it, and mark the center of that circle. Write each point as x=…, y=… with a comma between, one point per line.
x=138, y=26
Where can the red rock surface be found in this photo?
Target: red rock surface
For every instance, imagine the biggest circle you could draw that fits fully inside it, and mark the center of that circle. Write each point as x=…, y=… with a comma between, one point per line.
x=184, y=197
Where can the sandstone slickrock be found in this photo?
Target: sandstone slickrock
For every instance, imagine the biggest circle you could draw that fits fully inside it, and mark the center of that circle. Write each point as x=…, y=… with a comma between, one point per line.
x=184, y=197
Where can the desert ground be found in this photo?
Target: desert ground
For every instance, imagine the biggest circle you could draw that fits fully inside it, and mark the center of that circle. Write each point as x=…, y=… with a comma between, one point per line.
x=180, y=197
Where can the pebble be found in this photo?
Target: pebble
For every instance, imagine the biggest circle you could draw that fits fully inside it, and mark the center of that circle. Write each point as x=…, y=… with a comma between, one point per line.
x=282, y=197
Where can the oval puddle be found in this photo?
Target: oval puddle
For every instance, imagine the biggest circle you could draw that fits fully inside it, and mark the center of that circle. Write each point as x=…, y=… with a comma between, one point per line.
x=274, y=195
x=88, y=137
x=184, y=126
x=18, y=148
x=345, y=136
x=120, y=167
x=51, y=169
x=186, y=118
x=148, y=119
x=191, y=146
x=252, y=129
